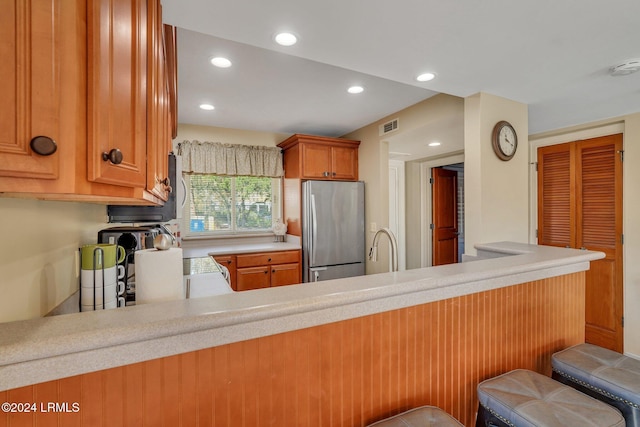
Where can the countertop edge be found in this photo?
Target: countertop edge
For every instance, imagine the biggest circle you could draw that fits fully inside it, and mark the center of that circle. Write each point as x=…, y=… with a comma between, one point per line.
x=53, y=348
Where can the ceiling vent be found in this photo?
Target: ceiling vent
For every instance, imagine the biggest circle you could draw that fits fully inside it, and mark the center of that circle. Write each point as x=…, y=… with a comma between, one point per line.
x=626, y=68
x=388, y=127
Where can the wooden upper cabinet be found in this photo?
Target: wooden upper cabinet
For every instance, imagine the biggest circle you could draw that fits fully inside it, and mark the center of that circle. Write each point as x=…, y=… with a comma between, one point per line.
x=92, y=80
x=117, y=97
x=29, y=83
x=321, y=158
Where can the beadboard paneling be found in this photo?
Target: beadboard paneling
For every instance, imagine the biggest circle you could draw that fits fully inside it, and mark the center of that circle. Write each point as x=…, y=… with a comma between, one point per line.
x=348, y=373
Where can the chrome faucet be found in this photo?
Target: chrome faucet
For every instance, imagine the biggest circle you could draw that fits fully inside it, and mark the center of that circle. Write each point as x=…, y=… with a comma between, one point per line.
x=373, y=252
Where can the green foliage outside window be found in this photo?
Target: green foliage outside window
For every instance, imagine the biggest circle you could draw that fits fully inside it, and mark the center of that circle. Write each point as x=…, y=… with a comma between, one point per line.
x=222, y=203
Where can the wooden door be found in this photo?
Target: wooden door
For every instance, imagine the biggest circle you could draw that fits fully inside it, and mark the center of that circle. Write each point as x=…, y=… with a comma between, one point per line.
x=445, y=216
x=580, y=206
x=29, y=83
x=117, y=84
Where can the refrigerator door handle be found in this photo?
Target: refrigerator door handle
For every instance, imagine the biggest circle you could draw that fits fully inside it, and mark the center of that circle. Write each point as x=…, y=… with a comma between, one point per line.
x=314, y=230
x=315, y=273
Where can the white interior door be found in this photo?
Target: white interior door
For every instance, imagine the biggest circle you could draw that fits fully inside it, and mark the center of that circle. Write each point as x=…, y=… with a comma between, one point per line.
x=397, y=209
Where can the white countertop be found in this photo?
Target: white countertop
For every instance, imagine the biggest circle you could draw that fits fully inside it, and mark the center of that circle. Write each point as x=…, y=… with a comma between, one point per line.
x=193, y=249
x=44, y=349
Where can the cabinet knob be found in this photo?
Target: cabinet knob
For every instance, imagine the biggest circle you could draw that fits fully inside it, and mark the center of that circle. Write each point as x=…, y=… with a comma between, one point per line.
x=43, y=145
x=228, y=261
x=269, y=259
x=325, y=173
x=266, y=272
x=166, y=182
x=114, y=156
x=273, y=271
x=334, y=174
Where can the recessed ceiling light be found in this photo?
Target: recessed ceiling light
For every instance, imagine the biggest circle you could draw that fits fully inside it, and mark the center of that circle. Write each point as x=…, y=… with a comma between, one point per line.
x=434, y=144
x=425, y=77
x=221, y=62
x=286, y=39
x=355, y=89
x=207, y=107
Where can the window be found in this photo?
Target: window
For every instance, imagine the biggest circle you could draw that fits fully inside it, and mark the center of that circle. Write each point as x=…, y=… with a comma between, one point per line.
x=231, y=204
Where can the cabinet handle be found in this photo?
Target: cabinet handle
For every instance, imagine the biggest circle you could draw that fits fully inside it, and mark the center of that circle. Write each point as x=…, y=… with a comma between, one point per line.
x=43, y=145
x=166, y=184
x=114, y=156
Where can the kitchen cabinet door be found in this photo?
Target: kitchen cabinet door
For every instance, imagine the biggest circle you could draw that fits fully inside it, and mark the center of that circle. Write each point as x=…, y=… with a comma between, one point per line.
x=316, y=161
x=285, y=274
x=344, y=163
x=228, y=261
x=252, y=278
x=31, y=34
x=158, y=120
x=117, y=97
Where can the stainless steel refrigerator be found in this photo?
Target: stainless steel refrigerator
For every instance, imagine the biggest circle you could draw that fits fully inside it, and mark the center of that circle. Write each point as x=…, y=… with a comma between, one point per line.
x=332, y=230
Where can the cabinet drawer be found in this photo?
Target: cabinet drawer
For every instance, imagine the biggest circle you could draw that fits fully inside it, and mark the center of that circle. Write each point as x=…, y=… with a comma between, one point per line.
x=252, y=278
x=267, y=258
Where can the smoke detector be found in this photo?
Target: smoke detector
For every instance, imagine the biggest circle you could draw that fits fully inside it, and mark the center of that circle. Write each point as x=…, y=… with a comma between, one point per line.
x=627, y=67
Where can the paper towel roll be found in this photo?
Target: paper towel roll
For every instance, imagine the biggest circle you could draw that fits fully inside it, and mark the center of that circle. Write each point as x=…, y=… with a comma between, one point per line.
x=158, y=275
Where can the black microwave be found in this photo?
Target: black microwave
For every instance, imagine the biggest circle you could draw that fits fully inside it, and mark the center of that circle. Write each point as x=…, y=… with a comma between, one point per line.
x=164, y=213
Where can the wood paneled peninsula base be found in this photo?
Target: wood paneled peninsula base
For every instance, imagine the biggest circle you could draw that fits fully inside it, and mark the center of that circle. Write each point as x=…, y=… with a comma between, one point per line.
x=343, y=352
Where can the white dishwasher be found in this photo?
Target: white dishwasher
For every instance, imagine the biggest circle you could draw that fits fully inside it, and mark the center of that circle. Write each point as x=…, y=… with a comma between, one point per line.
x=203, y=277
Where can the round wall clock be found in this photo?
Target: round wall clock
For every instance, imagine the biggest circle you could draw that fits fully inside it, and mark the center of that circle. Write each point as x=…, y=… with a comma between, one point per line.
x=504, y=140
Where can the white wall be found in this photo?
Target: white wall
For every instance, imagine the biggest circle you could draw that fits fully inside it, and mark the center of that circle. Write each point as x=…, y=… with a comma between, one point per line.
x=496, y=192
x=39, y=253
x=373, y=157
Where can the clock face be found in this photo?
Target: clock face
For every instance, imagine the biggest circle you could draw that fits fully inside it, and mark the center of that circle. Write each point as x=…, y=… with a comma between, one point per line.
x=504, y=140
x=507, y=140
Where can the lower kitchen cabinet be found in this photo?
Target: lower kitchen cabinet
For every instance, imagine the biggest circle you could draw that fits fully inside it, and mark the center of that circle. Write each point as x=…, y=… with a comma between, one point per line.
x=285, y=274
x=262, y=269
x=253, y=278
x=228, y=261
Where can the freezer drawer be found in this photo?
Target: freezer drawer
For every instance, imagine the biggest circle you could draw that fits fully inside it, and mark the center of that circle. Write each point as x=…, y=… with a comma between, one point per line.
x=316, y=274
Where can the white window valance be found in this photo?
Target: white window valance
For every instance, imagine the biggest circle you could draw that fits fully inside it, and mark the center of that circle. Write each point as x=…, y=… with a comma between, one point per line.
x=230, y=159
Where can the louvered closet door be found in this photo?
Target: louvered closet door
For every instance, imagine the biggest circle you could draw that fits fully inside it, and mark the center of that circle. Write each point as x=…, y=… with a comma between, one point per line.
x=580, y=206
x=556, y=198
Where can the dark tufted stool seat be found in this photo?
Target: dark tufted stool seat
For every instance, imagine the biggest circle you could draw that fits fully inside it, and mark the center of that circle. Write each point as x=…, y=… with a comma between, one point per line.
x=423, y=416
x=604, y=374
x=524, y=398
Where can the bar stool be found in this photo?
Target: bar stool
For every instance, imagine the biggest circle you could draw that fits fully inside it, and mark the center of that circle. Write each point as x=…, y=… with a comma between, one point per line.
x=523, y=398
x=423, y=416
x=604, y=374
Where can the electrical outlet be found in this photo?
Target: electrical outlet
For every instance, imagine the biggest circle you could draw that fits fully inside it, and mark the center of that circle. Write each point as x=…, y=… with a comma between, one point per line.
x=374, y=227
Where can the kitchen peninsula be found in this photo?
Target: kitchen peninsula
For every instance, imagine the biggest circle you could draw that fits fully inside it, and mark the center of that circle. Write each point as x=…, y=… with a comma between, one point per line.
x=345, y=351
